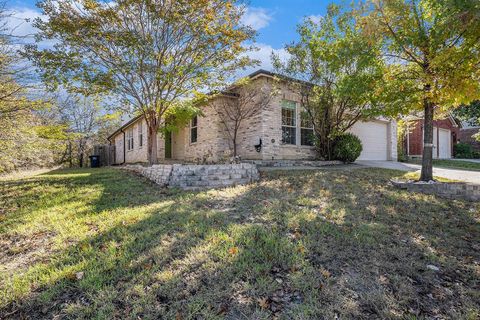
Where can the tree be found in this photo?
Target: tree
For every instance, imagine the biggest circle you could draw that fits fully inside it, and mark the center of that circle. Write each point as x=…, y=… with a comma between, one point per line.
x=242, y=101
x=340, y=71
x=153, y=53
x=431, y=48
x=27, y=139
x=84, y=119
x=12, y=70
x=469, y=113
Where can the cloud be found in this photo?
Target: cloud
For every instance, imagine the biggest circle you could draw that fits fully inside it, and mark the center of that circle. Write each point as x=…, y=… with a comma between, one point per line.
x=314, y=18
x=20, y=21
x=263, y=55
x=257, y=18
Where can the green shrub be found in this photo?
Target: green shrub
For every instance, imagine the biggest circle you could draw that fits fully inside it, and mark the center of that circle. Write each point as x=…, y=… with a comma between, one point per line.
x=347, y=148
x=463, y=150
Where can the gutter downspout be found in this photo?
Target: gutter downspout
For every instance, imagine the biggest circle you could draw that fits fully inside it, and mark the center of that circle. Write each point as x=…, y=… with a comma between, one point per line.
x=124, y=152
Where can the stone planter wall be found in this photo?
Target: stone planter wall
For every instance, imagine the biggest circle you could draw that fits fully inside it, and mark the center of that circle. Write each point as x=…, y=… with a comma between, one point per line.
x=192, y=177
x=449, y=190
x=293, y=163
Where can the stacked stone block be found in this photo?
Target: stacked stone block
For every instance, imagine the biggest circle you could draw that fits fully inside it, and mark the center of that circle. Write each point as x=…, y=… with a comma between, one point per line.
x=293, y=163
x=449, y=190
x=193, y=177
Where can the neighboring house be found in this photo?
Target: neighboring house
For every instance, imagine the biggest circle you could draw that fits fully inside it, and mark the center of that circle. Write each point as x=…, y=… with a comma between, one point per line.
x=445, y=136
x=276, y=132
x=466, y=135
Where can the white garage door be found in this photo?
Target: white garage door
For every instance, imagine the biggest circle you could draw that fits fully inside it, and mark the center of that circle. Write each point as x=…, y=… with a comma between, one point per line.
x=374, y=139
x=444, y=151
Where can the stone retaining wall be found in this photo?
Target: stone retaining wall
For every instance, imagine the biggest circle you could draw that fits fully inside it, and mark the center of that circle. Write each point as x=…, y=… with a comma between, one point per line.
x=192, y=177
x=449, y=190
x=293, y=163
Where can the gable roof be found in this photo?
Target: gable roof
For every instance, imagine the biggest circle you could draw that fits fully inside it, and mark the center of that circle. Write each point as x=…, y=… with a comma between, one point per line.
x=253, y=75
x=127, y=124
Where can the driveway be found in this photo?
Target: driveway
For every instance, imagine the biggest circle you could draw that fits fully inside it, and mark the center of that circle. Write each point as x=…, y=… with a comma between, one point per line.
x=454, y=174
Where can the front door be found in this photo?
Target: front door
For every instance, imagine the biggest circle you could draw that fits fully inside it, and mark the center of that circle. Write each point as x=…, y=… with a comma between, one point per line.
x=168, y=145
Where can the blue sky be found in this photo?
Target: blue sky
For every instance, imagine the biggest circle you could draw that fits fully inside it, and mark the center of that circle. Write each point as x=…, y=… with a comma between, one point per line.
x=274, y=20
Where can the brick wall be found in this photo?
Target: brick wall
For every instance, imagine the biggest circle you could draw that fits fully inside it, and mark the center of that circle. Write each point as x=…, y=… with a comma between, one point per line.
x=416, y=135
x=272, y=128
x=465, y=135
x=213, y=144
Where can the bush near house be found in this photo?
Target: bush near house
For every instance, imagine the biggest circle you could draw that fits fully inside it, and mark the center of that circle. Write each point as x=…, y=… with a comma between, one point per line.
x=463, y=151
x=347, y=147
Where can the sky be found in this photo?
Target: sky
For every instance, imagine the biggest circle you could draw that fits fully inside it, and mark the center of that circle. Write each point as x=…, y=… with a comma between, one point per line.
x=274, y=20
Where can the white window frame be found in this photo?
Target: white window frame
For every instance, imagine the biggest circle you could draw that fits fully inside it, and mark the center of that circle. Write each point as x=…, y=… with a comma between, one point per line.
x=295, y=119
x=130, y=144
x=304, y=111
x=140, y=135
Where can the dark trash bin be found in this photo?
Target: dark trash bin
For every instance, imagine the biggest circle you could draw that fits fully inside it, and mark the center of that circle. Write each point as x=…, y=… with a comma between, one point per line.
x=94, y=161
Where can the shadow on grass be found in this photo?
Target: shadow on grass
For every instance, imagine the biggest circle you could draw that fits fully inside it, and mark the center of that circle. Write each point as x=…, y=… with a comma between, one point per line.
x=296, y=245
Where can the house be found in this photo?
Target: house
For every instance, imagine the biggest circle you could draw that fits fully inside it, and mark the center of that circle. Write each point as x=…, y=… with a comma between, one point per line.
x=466, y=135
x=276, y=132
x=445, y=136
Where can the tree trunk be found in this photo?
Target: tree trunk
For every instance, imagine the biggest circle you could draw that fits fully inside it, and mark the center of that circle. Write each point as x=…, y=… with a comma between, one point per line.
x=70, y=163
x=152, y=144
x=427, y=171
x=234, y=144
x=81, y=152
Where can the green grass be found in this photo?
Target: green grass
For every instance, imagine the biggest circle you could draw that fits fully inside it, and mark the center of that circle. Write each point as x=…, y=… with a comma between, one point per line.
x=416, y=176
x=454, y=164
x=104, y=244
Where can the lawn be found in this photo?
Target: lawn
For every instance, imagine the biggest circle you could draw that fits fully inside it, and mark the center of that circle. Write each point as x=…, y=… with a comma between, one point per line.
x=454, y=164
x=105, y=244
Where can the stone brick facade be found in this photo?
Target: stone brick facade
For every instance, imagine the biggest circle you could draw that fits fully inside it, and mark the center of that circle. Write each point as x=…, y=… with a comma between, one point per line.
x=213, y=144
x=193, y=177
x=138, y=153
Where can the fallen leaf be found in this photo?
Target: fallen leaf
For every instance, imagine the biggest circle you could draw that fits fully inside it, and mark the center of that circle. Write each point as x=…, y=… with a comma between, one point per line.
x=325, y=273
x=263, y=303
x=233, y=251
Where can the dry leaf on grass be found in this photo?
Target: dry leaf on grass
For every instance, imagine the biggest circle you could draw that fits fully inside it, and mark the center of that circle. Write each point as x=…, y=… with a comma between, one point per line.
x=263, y=303
x=233, y=251
x=325, y=273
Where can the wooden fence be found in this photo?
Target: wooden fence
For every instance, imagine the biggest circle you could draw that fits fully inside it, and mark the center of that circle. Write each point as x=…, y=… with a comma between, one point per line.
x=106, y=153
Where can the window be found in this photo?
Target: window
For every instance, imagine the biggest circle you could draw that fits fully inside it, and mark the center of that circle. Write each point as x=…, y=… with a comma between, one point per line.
x=306, y=129
x=130, y=139
x=140, y=134
x=193, y=130
x=289, y=122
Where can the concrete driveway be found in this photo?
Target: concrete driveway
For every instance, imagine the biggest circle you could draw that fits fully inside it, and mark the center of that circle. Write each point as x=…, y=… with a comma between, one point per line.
x=454, y=174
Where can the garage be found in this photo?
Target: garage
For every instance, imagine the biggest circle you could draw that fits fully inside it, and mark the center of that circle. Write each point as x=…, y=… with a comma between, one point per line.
x=442, y=142
x=373, y=135
x=444, y=145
